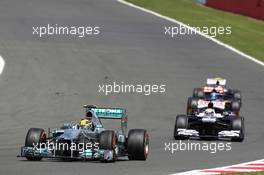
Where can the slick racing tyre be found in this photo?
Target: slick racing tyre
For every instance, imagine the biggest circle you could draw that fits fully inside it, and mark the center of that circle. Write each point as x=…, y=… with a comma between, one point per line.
x=35, y=137
x=198, y=93
x=192, y=104
x=181, y=122
x=138, y=144
x=235, y=106
x=237, y=95
x=108, y=141
x=238, y=124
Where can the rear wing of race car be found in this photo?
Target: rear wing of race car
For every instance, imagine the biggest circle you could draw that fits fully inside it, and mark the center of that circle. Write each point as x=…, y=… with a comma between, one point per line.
x=213, y=81
x=109, y=113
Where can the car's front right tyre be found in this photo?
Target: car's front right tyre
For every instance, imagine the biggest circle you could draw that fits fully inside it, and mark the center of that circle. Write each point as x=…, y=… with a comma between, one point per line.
x=34, y=138
x=108, y=141
x=181, y=122
x=238, y=124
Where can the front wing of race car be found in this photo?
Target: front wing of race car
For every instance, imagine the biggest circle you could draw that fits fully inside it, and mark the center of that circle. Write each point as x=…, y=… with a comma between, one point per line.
x=88, y=154
x=221, y=134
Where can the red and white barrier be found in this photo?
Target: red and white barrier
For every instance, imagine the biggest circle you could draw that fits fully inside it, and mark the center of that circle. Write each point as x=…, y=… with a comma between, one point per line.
x=252, y=8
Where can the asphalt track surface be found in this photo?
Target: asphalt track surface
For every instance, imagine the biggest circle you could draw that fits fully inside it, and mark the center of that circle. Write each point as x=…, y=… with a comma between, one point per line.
x=46, y=82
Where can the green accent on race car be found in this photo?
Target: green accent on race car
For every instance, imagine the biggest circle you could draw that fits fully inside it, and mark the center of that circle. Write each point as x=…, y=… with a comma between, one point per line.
x=111, y=113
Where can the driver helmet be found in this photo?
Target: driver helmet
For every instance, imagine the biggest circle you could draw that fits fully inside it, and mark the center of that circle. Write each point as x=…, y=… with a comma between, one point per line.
x=89, y=115
x=209, y=111
x=213, y=96
x=85, y=123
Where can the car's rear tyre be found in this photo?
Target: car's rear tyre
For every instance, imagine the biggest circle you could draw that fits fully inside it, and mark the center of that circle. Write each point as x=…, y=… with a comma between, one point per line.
x=181, y=122
x=192, y=104
x=238, y=124
x=107, y=141
x=236, y=105
x=189, y=106
x=138, y=144
x=35, y=137
x=237, y=95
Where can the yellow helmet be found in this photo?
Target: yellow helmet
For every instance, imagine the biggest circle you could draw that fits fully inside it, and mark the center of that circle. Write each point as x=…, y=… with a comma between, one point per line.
x=85, y=123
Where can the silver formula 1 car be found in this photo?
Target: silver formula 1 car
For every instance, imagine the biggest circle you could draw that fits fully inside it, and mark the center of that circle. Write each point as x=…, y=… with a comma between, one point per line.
x=94, y=142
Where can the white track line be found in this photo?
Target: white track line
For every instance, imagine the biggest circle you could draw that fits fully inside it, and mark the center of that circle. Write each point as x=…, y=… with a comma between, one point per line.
x=253, y=166
x=2, y=64
x=200, y=33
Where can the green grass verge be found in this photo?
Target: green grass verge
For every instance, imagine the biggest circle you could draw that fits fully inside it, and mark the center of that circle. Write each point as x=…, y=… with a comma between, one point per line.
x=247, y=33
x=252, y=173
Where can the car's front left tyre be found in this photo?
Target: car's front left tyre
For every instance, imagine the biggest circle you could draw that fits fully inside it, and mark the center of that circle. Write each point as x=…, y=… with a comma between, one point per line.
x=138, y=144
x=238, y=124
